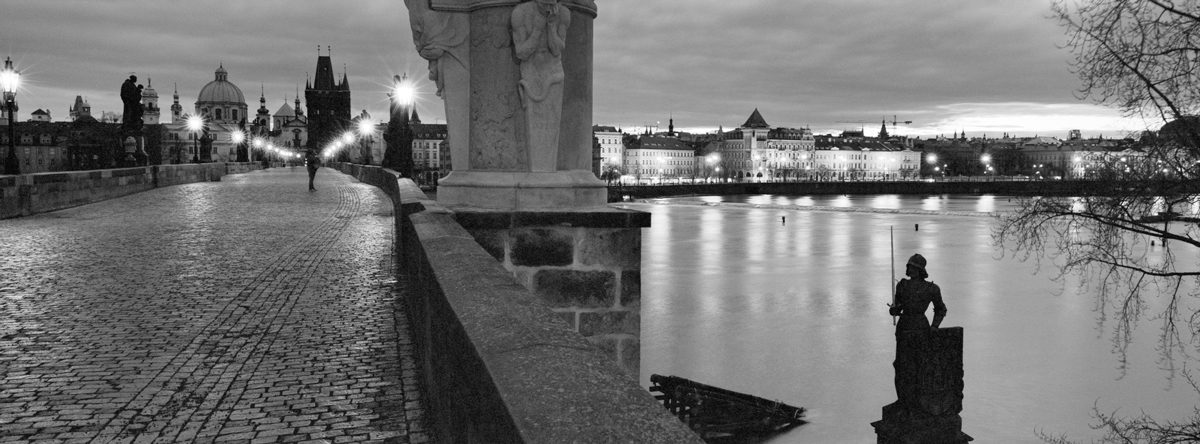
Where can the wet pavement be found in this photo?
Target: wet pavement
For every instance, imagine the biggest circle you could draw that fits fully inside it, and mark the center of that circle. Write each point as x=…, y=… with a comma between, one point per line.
x=246, y=310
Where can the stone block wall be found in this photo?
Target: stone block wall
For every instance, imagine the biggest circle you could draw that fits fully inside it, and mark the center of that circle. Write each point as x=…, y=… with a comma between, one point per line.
x=27, y=194
x=498, y=363
x=586, y=264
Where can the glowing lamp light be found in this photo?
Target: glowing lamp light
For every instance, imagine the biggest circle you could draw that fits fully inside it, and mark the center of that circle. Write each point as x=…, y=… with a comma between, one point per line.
x=404, y=92
x=238, y=137
x=986, y=158
x=10, y=79
x=932, y=158
x=195, y=123
x=258, y=142
x=366, y=127
x=347, y=138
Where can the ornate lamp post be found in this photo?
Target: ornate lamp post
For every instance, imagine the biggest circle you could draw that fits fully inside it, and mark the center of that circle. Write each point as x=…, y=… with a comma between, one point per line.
x=195, y=124
x=239, y=138
x=346, y=144
x=399, y=134
x=366, y=131
x=258, y=146
x=10, y=79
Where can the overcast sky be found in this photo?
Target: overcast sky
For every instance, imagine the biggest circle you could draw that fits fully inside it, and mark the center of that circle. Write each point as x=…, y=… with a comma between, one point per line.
x=982, y=66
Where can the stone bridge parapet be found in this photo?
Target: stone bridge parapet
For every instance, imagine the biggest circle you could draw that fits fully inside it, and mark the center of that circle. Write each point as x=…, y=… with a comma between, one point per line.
x=499, y=363
x=27, y=194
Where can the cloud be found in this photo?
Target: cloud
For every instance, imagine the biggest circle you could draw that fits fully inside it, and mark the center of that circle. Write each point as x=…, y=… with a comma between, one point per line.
x=708, y=63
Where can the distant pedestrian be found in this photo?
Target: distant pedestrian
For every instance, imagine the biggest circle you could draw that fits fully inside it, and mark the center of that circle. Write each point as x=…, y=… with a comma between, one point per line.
x=312, y=162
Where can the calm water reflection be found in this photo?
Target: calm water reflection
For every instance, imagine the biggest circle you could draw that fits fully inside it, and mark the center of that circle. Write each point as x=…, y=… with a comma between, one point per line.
x=735, y=296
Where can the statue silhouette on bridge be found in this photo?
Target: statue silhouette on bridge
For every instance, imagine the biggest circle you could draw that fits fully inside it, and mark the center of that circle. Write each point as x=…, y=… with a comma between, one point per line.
x=928, y=365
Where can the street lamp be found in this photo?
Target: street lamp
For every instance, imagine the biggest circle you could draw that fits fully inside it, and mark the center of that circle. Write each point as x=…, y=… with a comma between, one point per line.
x=195, y=124
x=399, y=133
x=258, y=145
x=366, y=129
x=10, y=79
x=238, y=137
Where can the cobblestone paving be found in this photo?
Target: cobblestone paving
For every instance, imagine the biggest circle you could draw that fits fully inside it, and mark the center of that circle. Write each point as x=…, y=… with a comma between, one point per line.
x=247, y=310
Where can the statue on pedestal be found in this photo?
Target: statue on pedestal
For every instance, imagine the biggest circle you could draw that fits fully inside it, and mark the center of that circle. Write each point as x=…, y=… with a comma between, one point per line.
x=928, y=365
x=539, y=30
x=131, y=97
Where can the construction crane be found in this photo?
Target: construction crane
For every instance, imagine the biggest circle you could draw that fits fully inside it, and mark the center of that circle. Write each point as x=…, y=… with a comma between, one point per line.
x=862, y=123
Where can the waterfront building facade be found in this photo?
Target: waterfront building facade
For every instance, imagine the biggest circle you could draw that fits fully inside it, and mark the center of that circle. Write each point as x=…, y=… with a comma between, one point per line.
x=612, y=150
x=755, y=151
x=659, y=159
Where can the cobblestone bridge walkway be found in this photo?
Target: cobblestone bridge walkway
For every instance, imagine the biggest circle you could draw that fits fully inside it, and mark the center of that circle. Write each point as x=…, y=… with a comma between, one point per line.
x=247, y=310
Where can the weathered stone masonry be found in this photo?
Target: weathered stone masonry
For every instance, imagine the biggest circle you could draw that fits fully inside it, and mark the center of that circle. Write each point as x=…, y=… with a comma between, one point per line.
x=586, y=264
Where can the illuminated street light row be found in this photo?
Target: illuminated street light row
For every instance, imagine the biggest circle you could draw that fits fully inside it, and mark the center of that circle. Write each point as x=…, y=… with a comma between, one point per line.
x=10, y=80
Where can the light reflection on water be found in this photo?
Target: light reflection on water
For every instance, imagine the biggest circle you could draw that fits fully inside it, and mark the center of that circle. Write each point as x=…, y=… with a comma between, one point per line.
x=793, y=310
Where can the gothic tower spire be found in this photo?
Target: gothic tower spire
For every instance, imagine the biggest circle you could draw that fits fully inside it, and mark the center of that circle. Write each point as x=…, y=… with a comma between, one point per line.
x=176, y=108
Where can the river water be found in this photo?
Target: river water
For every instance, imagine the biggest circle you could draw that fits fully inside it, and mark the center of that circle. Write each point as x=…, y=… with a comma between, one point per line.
x=793, y=310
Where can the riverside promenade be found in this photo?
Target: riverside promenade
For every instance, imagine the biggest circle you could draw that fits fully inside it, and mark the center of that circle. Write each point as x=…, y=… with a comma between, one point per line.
x=245, y=310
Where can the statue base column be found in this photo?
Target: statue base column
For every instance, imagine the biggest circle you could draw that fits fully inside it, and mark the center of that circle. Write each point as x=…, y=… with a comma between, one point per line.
x=584, y=263
x=929, y=383
x=132, y=143
x=511, y=190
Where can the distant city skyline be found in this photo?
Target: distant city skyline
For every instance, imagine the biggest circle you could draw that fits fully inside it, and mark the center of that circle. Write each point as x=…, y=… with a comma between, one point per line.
x=947, y=66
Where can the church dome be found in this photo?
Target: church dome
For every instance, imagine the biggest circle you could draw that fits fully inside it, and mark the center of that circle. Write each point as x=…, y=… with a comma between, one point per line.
x=221, y=101
x=221, y=91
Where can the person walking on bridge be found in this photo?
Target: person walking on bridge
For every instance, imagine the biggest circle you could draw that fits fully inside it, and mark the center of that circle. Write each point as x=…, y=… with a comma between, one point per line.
x=312, y=162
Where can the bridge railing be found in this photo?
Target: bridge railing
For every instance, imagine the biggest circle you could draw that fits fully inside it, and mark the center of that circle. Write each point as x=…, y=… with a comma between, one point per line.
x=497, y=364
x=26, y=194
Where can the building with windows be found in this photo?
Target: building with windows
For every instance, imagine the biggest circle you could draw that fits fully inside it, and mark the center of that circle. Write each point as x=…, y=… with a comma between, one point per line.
x=288, y=127
x=428, y=138
x=222, y=106
x=756, y=151
x=40, y=115
x=612, y=150
x=659, y=159
x=867, y=159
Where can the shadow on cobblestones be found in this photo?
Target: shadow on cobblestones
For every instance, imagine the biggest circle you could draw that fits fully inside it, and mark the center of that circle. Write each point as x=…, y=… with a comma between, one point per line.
x=243, y=310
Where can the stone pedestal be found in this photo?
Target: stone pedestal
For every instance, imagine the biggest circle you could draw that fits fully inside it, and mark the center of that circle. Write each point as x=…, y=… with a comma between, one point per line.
x=499, y=166
x=522, y=190
x=585, y=263
x=520, y=124
x=135, y=149
x=929, y=385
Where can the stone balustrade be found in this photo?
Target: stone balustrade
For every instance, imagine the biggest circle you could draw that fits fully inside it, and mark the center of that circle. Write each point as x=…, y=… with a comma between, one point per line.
x=27, y=194
x=503, y=363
